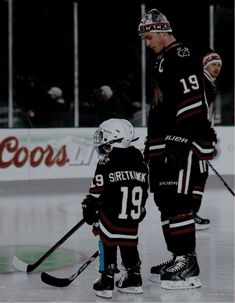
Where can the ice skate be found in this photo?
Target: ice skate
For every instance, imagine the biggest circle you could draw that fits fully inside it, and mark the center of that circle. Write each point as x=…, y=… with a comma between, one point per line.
x=201, y=223
x=104, y=286
x=158, y=270
x=130, y=282
x=183, y=274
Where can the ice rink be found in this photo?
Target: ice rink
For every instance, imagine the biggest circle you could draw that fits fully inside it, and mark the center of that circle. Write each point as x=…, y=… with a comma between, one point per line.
x=35, y=215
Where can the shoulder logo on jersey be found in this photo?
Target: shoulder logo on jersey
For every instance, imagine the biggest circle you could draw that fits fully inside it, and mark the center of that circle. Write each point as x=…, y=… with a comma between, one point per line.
x=183, y=52
x=103, y=160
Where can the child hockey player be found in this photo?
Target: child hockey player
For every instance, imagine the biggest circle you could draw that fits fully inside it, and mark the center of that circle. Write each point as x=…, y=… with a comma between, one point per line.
x=115, y=205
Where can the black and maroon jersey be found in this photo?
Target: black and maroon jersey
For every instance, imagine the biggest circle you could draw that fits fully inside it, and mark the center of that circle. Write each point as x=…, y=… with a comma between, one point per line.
x=178, y=105
x=121, y=179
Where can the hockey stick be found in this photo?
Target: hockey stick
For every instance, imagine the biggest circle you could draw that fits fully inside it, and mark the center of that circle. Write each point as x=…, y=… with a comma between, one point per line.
x=20, y=265
x=63, y=282
x=221, y=179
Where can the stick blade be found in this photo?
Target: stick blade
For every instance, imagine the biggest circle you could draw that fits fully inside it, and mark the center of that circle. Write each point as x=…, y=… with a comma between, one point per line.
x=54, y=281
x=20, y=265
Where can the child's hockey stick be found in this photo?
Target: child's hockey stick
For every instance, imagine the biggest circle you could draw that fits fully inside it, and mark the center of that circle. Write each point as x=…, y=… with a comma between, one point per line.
x=20, y=265
x=63, y=282
x=221, y=179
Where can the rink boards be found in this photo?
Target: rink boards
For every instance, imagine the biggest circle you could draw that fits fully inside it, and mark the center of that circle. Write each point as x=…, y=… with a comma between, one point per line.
x=36, y=154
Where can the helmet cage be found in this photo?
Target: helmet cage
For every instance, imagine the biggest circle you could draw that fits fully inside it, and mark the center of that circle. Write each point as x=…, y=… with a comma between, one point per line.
x=102, y=148
x=113, y=133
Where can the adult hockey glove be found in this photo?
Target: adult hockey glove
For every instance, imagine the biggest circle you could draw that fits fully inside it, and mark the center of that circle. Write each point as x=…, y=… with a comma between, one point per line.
x=89, y=209
x=176, y=150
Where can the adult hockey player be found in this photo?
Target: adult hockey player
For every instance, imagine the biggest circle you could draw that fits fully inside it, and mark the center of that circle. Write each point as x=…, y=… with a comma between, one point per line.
x=116, y=205
x=212, y=64
x=179, y=140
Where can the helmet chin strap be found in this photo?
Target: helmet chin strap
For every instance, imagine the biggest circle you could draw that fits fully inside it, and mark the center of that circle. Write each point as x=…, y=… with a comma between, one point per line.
x=106, y=148
x=116, y=141
x=135, y=139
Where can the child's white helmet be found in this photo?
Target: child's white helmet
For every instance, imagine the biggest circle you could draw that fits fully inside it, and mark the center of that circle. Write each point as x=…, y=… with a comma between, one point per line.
x=113, y=133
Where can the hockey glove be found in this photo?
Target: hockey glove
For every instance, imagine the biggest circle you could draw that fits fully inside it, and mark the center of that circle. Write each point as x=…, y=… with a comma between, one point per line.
x=176, y=150
x=89, y=209
x=95, y=229
x=204, y=147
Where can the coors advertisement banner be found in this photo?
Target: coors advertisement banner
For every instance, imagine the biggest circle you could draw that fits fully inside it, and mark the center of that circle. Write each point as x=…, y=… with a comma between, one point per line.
x=32, y=154
x=29, y=154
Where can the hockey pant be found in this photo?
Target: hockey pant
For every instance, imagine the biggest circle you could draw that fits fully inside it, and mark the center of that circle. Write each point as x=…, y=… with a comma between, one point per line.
x=173, y=194
x=108, y=257
x=200, y=177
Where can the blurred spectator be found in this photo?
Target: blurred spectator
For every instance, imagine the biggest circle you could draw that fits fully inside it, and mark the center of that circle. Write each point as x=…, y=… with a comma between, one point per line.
x=124, y=89
x=42, y=108
x=56, y=94
x=53, y=110
x=109, y=105
x=55, y=107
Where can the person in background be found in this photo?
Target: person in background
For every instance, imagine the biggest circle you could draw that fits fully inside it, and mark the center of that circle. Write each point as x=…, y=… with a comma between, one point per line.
x=115, y=205
x=179, y=139
x=212, y=64
x=42, y=107
x=56, y=94
x=55, y=107
x=109, y=105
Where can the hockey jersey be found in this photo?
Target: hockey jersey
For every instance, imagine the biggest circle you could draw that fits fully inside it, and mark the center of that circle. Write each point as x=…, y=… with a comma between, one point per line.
x=121, y=180
x=178, y=105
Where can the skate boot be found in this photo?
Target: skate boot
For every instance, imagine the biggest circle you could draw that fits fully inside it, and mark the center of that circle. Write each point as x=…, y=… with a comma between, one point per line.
x=130, y=282
x=183, y=274
x=201, y=223
x=104, y=285
x=158, y=270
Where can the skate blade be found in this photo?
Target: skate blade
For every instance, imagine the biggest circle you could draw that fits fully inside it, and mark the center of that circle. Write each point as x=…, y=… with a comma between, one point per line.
x=155, y=278
x=202, y=226
x=131, y=290
x=104, y=293
x=192, y=282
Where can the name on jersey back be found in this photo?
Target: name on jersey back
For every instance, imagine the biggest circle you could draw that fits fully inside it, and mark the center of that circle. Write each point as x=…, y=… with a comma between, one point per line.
x=127, y=175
